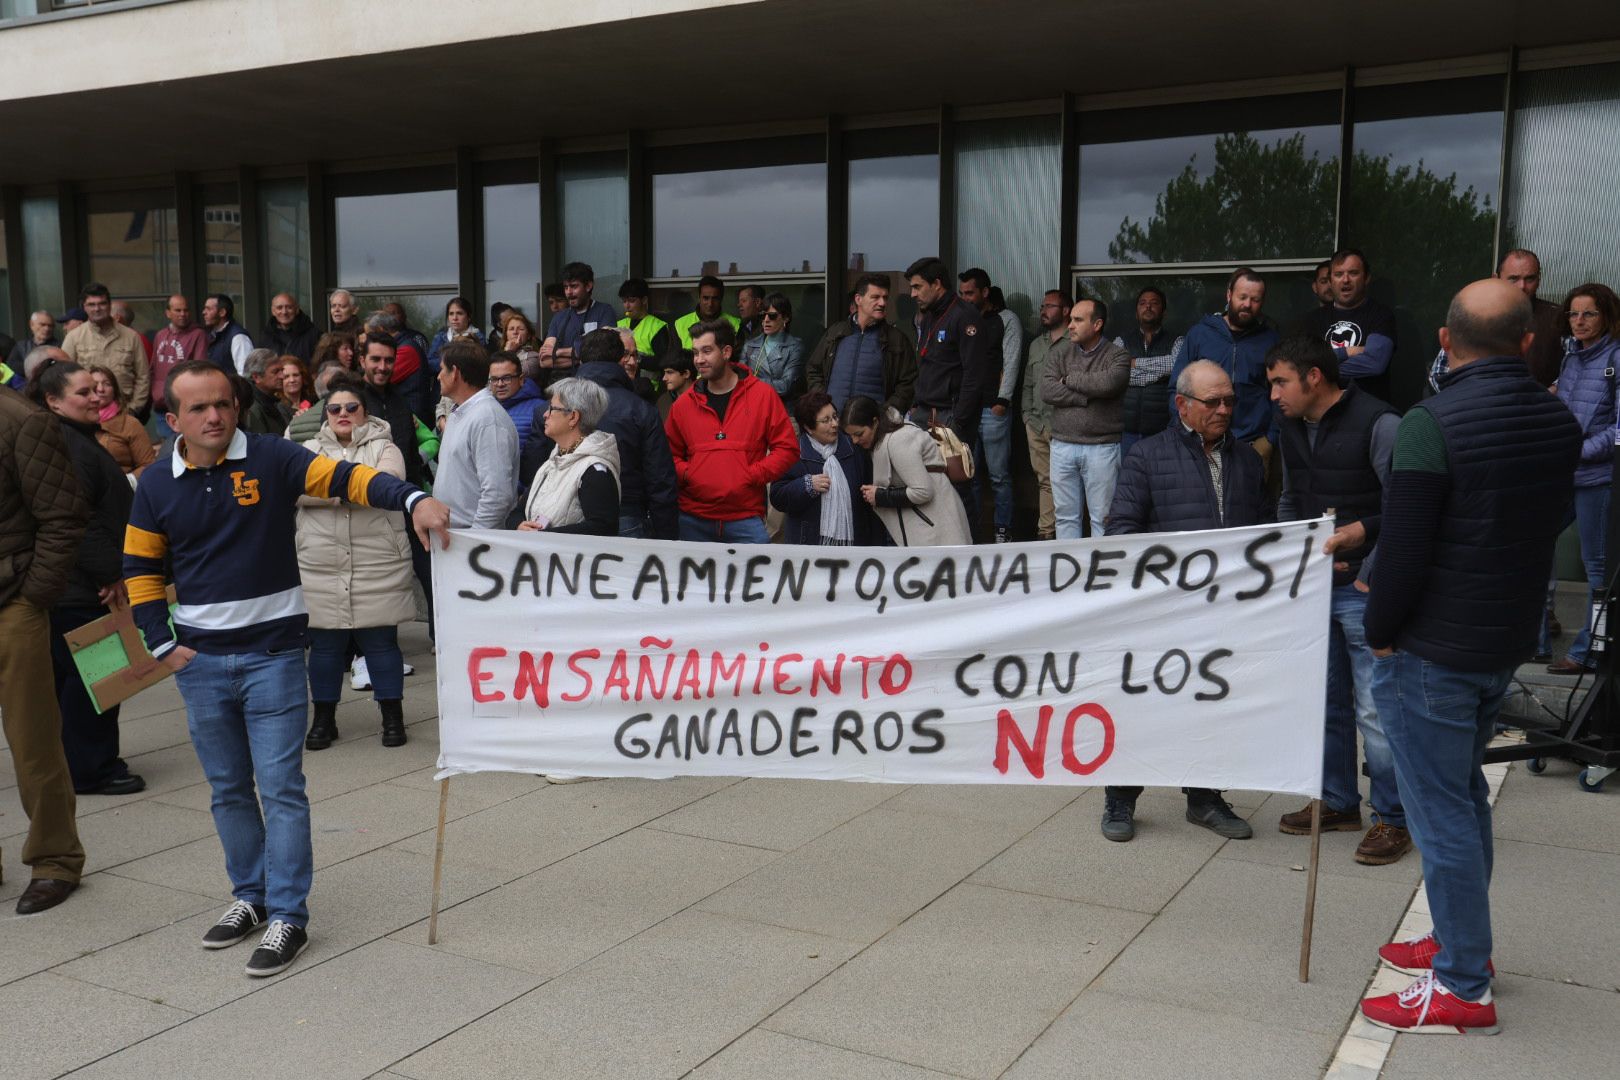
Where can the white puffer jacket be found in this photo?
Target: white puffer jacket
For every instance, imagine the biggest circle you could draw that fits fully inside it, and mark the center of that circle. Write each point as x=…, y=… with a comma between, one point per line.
x=355, y=561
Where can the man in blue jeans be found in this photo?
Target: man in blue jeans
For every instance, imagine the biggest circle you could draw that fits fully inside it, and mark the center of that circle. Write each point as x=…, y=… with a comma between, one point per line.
x=1336, y=443
x=220, y=509
x=1482, y=475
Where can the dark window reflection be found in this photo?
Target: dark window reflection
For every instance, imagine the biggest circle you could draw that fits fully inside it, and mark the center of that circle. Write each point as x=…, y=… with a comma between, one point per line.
x=134, y=252
x=1423, y=195
x=405, y=239
x=222, y=251
x=1212, y=181
x=594, y=208
x=893, y=211
x=771, y=219
x=512, y=245
x=284, y=239
x=1190, y=297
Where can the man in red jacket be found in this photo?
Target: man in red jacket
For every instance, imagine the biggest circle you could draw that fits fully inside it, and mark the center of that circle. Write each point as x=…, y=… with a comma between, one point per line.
x=730, y=436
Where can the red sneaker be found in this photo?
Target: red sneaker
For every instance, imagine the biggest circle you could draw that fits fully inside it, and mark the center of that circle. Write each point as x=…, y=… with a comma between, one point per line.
x=1428, y=1008
x=1417, y=956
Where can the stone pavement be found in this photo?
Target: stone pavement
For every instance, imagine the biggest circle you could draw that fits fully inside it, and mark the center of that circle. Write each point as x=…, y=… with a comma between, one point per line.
x=759, y=928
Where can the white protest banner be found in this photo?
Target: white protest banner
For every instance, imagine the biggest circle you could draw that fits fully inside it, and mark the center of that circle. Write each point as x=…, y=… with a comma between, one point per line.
x=1171, y=659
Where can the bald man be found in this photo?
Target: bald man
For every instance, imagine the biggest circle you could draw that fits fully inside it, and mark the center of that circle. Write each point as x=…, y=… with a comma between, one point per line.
x=289, y=332
x=1480, y=483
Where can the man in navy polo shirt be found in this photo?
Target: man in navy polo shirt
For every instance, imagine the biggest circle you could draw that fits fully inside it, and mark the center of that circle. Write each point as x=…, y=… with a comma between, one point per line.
x=582, y=315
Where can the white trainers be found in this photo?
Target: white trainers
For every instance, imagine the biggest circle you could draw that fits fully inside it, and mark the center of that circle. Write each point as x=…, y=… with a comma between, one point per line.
x=359, y=674
x=409, y=670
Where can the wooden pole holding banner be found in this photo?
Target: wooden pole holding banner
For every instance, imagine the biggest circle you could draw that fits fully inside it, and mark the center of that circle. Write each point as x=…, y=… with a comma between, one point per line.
x=438, y=862
x=1310, y=890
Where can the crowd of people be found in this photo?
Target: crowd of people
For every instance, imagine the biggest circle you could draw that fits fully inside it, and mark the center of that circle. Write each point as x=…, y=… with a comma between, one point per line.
x=724, y=426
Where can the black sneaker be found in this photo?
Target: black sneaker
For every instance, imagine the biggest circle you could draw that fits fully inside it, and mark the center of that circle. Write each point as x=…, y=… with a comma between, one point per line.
x=1003, y=534
x=1218, y=818
x=1118, y=823
x=239, y=920
x=277, y=950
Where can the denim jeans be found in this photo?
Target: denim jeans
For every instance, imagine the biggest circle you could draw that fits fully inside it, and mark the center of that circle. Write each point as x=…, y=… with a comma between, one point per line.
x=1591, y=516
x=1350, y=707
x=1082, y=473
x=247, y=713
x=1439, y=721
x=995, y=452
x=633, y=525
x=329, y=658
x=749, y=530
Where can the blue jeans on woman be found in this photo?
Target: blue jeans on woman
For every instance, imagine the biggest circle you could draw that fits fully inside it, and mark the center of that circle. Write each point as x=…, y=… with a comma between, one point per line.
x=247, y=713
x=1591, y=516
x=1439, y=721
x=328, y=659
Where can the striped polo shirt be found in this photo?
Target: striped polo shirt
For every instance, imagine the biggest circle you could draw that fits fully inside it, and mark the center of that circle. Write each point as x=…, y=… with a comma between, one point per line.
x=228, y=533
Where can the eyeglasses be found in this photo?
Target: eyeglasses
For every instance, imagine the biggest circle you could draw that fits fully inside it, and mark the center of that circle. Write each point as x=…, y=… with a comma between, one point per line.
x=558, y=409
x=502, y=380
x=337, y=409
x=827, y=419
x=774, y=315
x=1230, y=401
x=1579, y=315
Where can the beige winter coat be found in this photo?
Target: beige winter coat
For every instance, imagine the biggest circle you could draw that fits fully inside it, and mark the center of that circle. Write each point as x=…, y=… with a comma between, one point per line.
x=355, y=561
x=903, y=459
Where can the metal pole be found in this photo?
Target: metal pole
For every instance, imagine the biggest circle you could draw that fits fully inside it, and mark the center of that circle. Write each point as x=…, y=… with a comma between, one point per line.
x=438, y=862
x=1310, y=891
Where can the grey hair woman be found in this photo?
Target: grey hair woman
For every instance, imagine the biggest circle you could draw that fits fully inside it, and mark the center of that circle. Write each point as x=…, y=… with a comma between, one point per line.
x=577, y=489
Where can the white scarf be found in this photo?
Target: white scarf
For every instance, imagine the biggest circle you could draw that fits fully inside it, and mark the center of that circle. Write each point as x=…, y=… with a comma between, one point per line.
x=837, y=516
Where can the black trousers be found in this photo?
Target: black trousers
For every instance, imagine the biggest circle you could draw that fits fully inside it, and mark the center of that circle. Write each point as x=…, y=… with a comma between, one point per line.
x=422, y=563
x=89, y=738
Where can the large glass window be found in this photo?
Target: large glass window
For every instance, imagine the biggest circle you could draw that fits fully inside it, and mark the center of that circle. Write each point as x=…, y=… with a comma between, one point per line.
x=593, y=197
x=1210, y=181
x=512, y=246
x=893, y=206
x=1423, y=193
x=763, y=210
x=284, y=240
x=135, y=252
x=405, y=238
x=1564, y=202
x=42, y=255
x=6, y=323
x=1007, y=174
x=1191, y=296
x=222, y=252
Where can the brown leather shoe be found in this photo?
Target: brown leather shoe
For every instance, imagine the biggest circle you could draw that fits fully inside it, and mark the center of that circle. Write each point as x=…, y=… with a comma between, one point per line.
x=43, y=894
x=1383, y=845
x=1566, y=666
x=1299, y=822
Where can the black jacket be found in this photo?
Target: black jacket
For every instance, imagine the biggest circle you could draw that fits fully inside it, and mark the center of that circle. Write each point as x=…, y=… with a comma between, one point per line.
x=267, y=415
x=899, y=363
x=393, y=407
x=1338, y=473
x=803, y=508
x=646, y=471
x=100, y=560
x=958, y=365
x=296, y=340
x=1165, y=486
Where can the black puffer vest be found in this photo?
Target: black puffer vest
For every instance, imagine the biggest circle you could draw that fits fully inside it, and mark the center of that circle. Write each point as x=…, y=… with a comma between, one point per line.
x=1511, y=449
x=1338, y=471
x=1147, y=408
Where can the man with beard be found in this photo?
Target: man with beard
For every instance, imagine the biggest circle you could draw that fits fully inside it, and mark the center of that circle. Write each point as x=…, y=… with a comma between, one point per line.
x=1153, y=354
x=289, y=332
x=1322, y=282
x=1360, y=330
x=1237, y=339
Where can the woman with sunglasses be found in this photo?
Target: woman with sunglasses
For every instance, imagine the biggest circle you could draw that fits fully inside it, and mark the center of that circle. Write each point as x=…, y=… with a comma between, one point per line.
x=1586, y=383
x=356, y=568
x=775, y=356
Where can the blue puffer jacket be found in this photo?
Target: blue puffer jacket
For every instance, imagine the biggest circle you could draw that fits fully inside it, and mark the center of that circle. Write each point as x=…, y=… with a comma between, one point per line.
x=1243, y=357
x=1164, y=486
x=1586, y=384
x=521, y=408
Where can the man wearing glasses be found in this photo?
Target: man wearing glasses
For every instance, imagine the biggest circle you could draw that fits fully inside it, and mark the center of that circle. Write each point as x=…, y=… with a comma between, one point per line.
x=1336, y=447
x=1192, y=475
